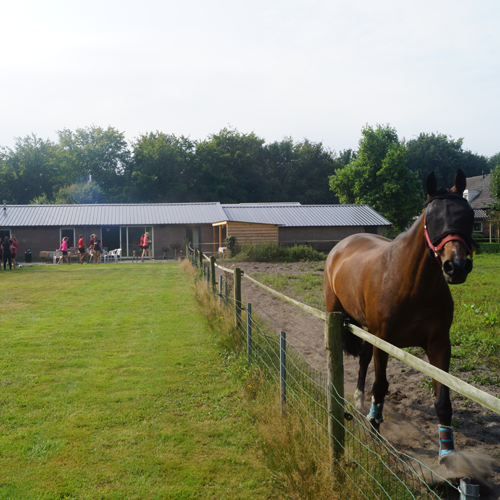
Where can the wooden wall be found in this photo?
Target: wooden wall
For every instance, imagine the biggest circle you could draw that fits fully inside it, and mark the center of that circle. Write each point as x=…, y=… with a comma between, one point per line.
x=246, y=232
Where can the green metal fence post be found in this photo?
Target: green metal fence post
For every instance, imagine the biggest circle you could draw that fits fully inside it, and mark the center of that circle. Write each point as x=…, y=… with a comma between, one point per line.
x=237, y=296
x=249, y=333
x=220, y=291
x=283, y=372
x=335, y=397
x=212, y=271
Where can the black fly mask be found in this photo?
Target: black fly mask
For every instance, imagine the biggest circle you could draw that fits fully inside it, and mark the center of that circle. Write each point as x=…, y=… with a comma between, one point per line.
x=448, y=214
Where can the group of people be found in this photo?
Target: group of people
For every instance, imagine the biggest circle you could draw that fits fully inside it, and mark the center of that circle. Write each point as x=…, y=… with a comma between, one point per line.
x=95, y=249
x=8, y=251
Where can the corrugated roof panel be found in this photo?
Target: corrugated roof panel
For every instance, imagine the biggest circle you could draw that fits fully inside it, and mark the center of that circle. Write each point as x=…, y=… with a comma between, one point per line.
x=306, y=215
x=290, y=215
x=111, y=215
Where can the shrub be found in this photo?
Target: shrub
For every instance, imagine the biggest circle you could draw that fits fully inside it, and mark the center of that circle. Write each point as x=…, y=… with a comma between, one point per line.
x=489, y=248
x=273, y=252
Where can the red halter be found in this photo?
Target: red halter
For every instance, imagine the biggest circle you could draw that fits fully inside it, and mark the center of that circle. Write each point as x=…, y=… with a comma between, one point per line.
x=443, y=242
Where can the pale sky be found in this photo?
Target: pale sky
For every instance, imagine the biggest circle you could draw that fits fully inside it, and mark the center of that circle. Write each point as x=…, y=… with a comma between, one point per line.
x=319, y=69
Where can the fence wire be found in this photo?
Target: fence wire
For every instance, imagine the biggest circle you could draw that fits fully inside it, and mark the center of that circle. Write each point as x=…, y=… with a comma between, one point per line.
x=373, y=467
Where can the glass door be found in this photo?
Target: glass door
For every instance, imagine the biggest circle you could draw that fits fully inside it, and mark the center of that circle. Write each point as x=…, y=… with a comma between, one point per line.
x=130, y=237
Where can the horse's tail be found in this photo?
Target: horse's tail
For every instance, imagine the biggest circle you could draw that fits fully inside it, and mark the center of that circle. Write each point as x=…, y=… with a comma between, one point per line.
x=351, y=343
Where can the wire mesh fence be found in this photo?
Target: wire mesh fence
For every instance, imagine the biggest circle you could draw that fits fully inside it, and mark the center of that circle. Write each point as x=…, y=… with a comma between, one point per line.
x=365, y=465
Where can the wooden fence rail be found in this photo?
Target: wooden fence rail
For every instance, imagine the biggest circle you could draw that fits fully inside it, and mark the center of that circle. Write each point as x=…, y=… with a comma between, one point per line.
x=463, y=388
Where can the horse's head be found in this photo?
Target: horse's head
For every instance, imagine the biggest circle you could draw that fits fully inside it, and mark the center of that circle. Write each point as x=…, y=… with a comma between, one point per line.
x=449, y=221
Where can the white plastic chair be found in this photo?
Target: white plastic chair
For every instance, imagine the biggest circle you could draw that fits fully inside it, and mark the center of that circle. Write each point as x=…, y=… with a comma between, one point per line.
x=56, y=255
x=118, y=254
x=109, y=255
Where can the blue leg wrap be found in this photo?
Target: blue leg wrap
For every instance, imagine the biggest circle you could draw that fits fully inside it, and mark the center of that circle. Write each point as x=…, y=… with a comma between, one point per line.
x=376, y=412
x=446, y=441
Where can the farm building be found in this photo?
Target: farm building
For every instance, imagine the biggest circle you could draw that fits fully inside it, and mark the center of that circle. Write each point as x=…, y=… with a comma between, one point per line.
x=479, y=196
x=40, y=228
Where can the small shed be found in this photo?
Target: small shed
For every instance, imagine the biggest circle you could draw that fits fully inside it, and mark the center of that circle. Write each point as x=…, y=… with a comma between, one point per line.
x=320, y=226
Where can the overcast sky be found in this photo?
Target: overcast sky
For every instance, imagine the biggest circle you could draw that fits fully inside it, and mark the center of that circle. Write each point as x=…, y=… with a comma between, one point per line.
x=311, y=69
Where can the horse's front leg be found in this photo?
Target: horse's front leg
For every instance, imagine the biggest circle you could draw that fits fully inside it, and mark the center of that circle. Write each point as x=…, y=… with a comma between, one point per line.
x=439, y=356
x=365, y=357
x=380, y=387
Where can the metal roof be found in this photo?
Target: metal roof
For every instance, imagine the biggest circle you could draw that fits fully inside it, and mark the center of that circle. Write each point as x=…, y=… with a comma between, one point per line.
x=306, y=215
x=111, y=215
x=481, y=185
x=283, y=214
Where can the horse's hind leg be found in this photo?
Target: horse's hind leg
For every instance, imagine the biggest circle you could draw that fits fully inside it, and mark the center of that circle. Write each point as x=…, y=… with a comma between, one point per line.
x=439, y=356
x=365, y=357
x=380, y=387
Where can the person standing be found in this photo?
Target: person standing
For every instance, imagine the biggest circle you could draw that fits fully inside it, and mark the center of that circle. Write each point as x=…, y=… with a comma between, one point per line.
x=91, y=247
x=6, y=255
x=141, y=246
x=81, y=248
x=13, y=250
x=64, y=250
x=146, y=246
x=97, y=249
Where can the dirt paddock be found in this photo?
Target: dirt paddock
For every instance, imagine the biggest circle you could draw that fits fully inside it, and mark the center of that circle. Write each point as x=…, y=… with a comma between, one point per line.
x=410, y=422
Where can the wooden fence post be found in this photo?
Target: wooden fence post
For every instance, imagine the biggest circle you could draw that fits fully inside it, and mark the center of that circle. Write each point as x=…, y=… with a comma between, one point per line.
x=283, y=372
x=335, y=396
x=212, y=272
x=237, y=296
x=249, y=333
x=200, y=255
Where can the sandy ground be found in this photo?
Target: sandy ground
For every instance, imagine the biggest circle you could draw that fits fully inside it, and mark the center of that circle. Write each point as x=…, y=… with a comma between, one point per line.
x=410, y=422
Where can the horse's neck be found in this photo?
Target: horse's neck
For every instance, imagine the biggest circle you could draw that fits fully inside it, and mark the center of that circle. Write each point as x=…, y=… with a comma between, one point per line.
x=412, y=250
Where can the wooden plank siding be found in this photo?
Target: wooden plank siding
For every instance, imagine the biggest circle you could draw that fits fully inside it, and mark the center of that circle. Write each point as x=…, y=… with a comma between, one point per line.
x=246, y=232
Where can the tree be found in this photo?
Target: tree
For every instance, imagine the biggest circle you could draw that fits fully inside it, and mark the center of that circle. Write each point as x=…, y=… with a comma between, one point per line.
x=299, y=171
x=494, y=161
x=161, y=168
x=495, y=189
x=87, y=192
x=228, y=168
x=29, y=170
x=378, y=176
x=96, y=154
x=442, y=155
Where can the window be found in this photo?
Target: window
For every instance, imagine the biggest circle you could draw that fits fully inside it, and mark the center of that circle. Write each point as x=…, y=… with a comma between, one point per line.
x=70, y=233
x=193, y=234
x=4, y=233
x=478, y=227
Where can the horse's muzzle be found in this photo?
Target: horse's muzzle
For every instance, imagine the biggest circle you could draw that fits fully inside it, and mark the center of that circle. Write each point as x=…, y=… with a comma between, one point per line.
x=456, y=270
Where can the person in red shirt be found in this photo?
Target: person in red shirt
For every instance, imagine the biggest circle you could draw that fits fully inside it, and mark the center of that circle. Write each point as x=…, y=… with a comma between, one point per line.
x=145, y=246
x=81, y=248
x=13, y=250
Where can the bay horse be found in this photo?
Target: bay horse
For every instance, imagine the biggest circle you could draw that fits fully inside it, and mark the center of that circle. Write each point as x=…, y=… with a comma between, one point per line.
x=398, y=290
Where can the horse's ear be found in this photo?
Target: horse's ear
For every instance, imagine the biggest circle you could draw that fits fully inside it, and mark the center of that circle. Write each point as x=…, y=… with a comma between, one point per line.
x=460, y=182
x=431, y=184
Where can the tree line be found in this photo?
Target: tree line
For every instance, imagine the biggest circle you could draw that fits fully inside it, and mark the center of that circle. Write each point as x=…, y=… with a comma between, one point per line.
x=97, y=165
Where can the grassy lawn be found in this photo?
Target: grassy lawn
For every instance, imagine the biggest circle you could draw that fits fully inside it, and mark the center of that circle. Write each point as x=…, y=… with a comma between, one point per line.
x=475, y=333
x=112, y=386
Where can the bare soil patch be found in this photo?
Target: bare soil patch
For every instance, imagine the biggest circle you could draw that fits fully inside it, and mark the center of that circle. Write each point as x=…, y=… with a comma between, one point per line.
x=410, y=419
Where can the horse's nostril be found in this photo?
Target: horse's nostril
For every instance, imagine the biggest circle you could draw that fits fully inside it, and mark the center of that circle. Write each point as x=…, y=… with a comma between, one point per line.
x=468, y=266
x=448, y=267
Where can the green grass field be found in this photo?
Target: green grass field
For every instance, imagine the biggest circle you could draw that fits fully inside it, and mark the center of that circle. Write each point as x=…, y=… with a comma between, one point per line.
x=112, y=386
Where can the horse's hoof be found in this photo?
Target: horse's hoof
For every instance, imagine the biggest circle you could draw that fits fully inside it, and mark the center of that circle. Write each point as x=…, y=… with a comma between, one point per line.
x=375, y=424
x=447, y=460
x=359, y=400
